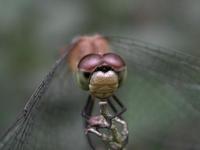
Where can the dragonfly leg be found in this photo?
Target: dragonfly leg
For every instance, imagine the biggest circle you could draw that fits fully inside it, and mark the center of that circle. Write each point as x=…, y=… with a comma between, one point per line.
x=112, y=106
x=86, y=113
x=117, y=113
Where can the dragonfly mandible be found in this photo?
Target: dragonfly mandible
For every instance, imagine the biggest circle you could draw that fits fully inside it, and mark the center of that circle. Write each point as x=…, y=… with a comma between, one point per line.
x=161, y=92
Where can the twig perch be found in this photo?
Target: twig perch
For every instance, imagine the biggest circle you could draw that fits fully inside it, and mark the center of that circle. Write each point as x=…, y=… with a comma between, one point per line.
x=116, y=140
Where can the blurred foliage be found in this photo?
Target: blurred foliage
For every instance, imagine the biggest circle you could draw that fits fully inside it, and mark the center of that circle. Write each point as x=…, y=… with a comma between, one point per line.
x=31, y=33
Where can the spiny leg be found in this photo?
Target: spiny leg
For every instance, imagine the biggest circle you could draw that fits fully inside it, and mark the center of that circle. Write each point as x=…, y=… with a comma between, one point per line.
x=112, y=106
x=123, y=108
x=118, y=101
x=86, y=113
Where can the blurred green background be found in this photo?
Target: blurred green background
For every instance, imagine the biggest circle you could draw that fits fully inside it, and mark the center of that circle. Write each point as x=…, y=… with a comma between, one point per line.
x=33, y=31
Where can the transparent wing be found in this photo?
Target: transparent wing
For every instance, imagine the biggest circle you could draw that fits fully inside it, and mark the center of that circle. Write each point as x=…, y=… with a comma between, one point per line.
x=162, y=95
x=49, y=119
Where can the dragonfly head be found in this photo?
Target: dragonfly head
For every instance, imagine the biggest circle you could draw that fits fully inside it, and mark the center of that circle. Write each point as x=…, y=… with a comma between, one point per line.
x=101, y=75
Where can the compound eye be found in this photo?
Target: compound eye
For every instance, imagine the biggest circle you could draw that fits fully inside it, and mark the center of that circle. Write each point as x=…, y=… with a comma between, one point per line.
x=115, y=61
x=83, y=79
x=122, y=76
x=89, y=63
x=85, y=68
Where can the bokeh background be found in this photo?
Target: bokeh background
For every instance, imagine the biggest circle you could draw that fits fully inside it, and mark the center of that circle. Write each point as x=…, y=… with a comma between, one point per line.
x=33, y=31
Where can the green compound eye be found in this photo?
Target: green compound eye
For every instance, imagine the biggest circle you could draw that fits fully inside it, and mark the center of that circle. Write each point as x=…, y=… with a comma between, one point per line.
x=83, y=79
x=122, y=76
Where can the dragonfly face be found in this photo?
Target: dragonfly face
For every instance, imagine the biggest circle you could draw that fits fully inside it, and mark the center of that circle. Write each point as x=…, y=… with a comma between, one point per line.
x=101, y=74
x=162, y=95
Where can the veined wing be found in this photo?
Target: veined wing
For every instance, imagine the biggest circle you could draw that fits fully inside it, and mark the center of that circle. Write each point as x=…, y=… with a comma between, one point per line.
x=162, y=95
x=46, y=121
x=171, y=65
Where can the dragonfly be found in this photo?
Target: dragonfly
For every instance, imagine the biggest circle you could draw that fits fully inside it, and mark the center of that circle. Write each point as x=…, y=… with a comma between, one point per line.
x=161, y=93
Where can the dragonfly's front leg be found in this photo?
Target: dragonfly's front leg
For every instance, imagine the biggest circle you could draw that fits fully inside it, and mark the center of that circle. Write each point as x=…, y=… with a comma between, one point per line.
x=88, y=108
x=86, y=113
x=117, y=113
